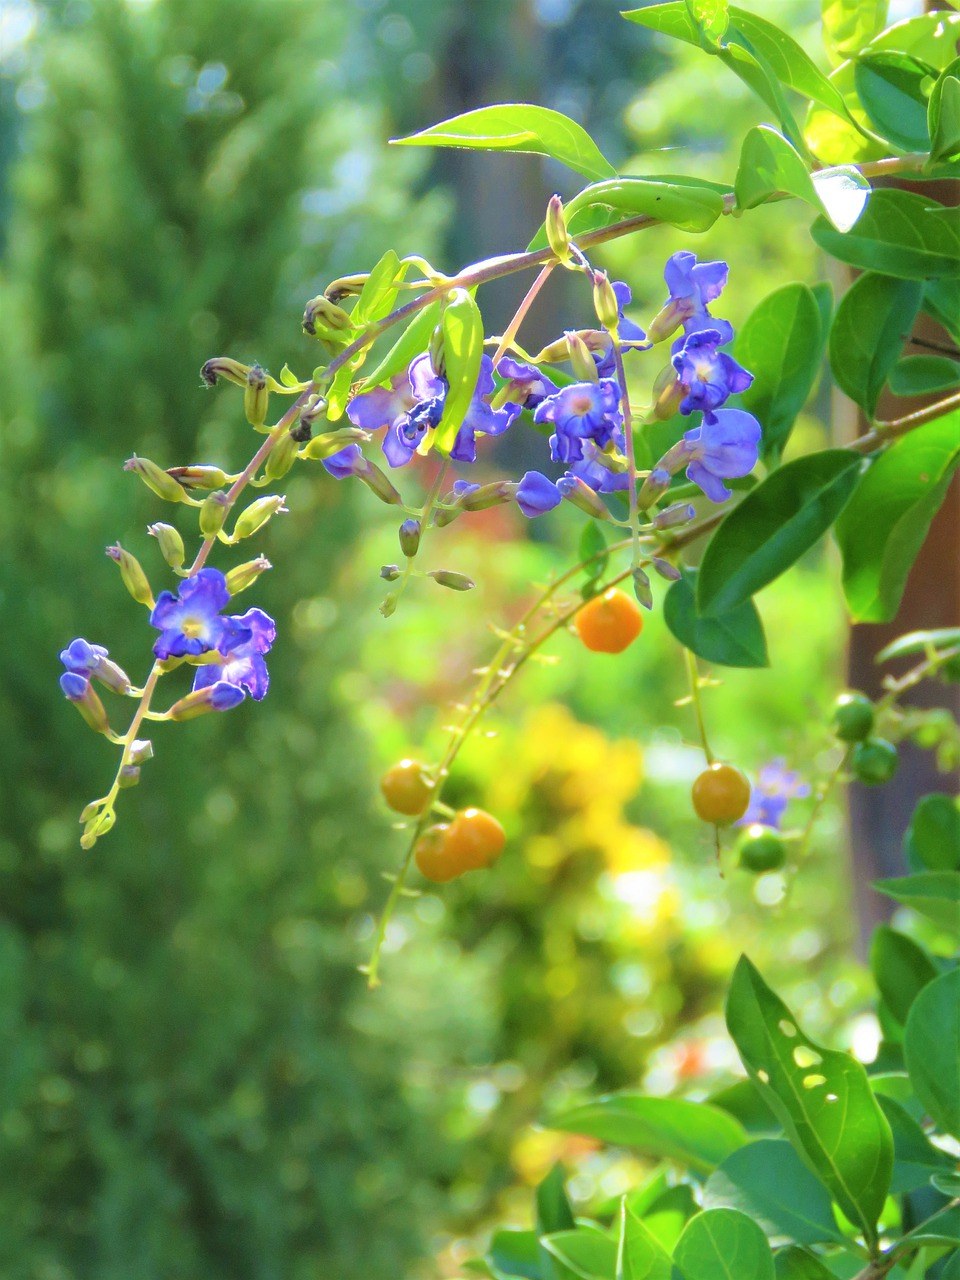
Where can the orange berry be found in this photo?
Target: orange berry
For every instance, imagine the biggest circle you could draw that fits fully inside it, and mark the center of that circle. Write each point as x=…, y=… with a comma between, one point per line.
x=721, y=794
x=609, y=622
x=405, y=788
x=432, y=857
x=474, y=839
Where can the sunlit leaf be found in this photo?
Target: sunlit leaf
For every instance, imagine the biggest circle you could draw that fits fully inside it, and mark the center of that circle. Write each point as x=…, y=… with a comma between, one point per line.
x=769, y=1182
x=462, y=327
x=769, y=164
x=931, y=1046
x=723, y=1244
x=900, y=234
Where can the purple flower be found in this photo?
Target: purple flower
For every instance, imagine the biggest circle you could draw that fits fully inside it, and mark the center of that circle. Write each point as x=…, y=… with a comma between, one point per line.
x=707, y=375
x=75, y=685
x=776, y=785
x=725, y=446
x=382, y=406
x=536, y=494
x=602, y=478
x=525, y=384
x=244, y=668
x=348, y=461
x=581, y=411
x=692, y=285
x=630, y=333
x=190, y=622
x=481, y=417
x=92, y=661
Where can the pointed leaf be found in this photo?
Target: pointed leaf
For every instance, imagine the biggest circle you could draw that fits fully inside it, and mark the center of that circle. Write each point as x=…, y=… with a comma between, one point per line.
x=901, y=969
x=769, y=164
x=890, y=85
x=933, y=837
x=873, y=320
x=899, y=233
x=414, y=340
x=514, y=1253
x=588, y=1253
x=640, y=1256
x=733, y=639
x=769, y=1182
x=934, y=894
x=944, y=115
x=921, y=375
x=794, y=1263
x=931, y=1046
x=915, y=1159
x=722, y=1244
x=553, y=1208
x=380, y=289
x=848, y=25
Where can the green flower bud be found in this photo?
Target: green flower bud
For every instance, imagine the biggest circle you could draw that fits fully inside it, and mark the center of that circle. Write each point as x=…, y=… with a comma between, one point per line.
x=155, y=478
x=388, y=605
x=552, y=353
x=409, y=536
x=641, y=588
x=556, y=227
x=666, y=569
x=605, y=302
x=224, y=367
x=246, y=574
x=581, y=495
x=256, y=516
x=129, y=776
x=376, y=480
x=852, y=717
x=667, y=394
x=256, y=397
x=312, y=412
x=134, y=579
x=199, y=477
x=489, y=495
x=170, y=542
x=666, y=322
x=213, y=514
x=390, y=572
x=578, y=353
x=323, y=317
x=141, y=749
x=676, y=513
x=346, y=286
x=330, y=442
x=452, y=580
x=281, y=457
x=97, y=826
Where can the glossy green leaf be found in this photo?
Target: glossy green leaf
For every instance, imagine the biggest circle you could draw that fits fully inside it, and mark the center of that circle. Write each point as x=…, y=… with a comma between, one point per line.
x=900, y=968
x=640, y=1256
x=915, y=1159
x=883, y=528
x=414, y=340
x=917, y=643
x=380, y=290
x=773, y=526
x=781, y=343
x=693, y=1133
x=769, y=164
x=931, y=1046
x=921, y=375
x=822, y=1097
x=934, y=894
x=932, y=841
x=462, y=327
x=849, y=25
x=794, y=1263
x=733, y=639
x=941, y=299
x=944, y=115
x=514, y=1253
x=900, y=234
x=769, y=1182
x=873, y=319
x=689, y=206
x=666, y=1218
x=516, y=126
x=723, y=1244
x=744, y=1101
x=891, y=86
x=553, y=1208
x=588, y=1253
x=711, y=18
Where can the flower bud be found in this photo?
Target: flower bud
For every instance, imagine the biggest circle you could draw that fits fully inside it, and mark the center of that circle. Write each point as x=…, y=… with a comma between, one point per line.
x=390, y=572
x=129, y=776
x=170, y=542
x=314, y=409
x=346, y=286
x=134, y=579
x=78, y=690
x=224, y=367
x=214, y=697
x=666, y=569
x=667, y=394
x=331, y=442
x=409, y=535
x=437, y=358
x=578, y=353
x=388, y=605
x=213, y=514
x=676, y=513
x=667, y=321
x=489, y=495
x=321, y=316
x=605, y=302
x=256, y=516
x=141, y=749
x=256, y=397
x=281, y=457
x=246, y=574
x=199, y=477
x=376, y=480
x=581, y=495
x=556, y=228
x=97, y=826
x=454, y=581
x=155, y=478
x=552, y=353
x=655, y=485
x=641, y=588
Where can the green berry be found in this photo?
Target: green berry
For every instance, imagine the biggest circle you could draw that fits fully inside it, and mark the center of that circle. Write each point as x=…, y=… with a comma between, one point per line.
x=874, y=761
x=761, y=849
x=852, y=717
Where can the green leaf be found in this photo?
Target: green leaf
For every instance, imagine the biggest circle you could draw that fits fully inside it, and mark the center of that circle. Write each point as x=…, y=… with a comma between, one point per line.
x=640, y=1256
x=733, y=639
x=920, y=375
x=916, y=643
x=689, y=206
x=588, y=1253
x=593, y=542
x=915, y=1159
x=518, y=126
x=934, y=894
x=769, y=1182
x=414, y=340
x=941, y=1228
x=931, y=1046
x=514, y=1253
x=781, y=343
x=883, y=528
x=786, y=59
x=947, y=1183
x=933, y=837
x=890, y=85
x=462, y=327
x=899, y=233
x=773, y=526
x=744, y=1101
x=722, y=1244
x=848, y=25
x=822, y=1097
x=873, y=320
x=711, y=18
x=769, y=164
x=941, y=299
x=380, y=290
x=900, y=968
x=693, y=1133
x=666, y=1218
x=553, y=1208
x=794, y=1263
x=944, y=115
